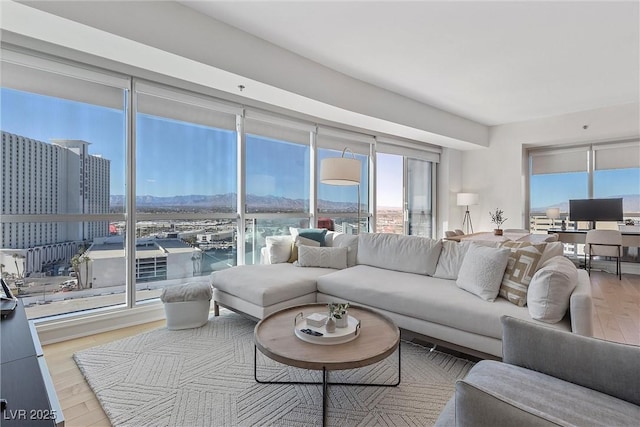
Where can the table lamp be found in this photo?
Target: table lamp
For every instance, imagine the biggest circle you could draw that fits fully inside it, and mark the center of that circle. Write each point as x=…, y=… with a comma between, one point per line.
x=552, y=214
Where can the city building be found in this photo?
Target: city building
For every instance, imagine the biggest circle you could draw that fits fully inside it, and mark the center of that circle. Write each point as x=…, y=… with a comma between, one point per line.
x=57, y=178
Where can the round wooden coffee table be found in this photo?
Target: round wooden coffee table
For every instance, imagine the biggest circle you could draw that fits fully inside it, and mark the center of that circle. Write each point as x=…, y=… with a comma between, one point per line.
x=377, y=339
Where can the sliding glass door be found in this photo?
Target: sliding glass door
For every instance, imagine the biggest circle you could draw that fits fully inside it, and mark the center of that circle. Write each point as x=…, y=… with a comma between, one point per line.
x=404, y=195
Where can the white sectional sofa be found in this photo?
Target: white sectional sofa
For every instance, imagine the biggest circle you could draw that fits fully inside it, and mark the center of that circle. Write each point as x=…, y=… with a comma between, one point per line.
x=415, y=282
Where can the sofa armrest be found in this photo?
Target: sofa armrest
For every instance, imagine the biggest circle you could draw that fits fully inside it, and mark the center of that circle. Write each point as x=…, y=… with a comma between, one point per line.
x=581, y=306
x=605, y=366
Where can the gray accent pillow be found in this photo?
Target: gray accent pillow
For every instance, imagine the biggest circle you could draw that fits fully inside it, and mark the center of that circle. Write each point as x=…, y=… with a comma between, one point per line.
x=482, y=271
x=451, y=259
x=550, y=290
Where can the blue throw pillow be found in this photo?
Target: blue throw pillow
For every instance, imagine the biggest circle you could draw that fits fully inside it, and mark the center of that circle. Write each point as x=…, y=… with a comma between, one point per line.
x=317, y=234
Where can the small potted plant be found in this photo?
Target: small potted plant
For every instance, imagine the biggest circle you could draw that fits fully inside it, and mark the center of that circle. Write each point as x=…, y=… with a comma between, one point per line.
x=498, y=220
x=340, y=312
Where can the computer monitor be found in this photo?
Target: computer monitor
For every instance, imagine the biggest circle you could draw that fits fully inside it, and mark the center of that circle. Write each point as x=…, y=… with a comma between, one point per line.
x=595, y=210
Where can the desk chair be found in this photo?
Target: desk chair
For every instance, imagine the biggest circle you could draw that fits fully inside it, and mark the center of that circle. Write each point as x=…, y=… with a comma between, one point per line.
x=459, y=232
x=449, y=233
x=604, y=243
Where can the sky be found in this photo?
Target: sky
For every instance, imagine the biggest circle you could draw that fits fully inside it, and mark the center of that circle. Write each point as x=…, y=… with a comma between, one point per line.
x=176, y=158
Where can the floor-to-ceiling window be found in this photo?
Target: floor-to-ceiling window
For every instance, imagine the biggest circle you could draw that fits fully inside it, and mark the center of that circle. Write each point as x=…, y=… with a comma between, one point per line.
x=186, y=189
x=63, y=182
x=277, y=176
x=591, y=171
x=404, y=188
x=199, y=182
x=389, y=193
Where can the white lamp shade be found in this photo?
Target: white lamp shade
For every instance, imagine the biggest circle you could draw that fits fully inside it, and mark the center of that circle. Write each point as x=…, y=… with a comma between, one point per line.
x=467, y=199
x=553, y=213
x=340, y=171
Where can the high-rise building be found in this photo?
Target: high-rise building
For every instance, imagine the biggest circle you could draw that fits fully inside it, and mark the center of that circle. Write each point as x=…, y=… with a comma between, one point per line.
x=56, y=178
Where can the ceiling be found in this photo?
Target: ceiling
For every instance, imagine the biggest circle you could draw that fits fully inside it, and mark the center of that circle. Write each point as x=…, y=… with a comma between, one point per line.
x=492, y=62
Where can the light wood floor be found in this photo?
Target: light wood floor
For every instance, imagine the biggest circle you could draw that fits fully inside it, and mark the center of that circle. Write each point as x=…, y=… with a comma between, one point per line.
x=616, y=318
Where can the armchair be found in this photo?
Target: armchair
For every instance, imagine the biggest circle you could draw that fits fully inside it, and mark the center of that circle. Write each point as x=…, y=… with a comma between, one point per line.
x=549, y=377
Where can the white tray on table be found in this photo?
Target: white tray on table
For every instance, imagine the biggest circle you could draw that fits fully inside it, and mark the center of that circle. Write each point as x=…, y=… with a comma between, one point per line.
x=340, y=336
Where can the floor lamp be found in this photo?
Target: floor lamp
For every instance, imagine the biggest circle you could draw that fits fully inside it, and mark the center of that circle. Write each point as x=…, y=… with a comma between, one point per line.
x=467, y=199
x=342, y=171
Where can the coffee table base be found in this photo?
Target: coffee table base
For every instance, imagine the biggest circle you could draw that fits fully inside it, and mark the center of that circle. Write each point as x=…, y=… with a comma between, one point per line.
x=325, y=384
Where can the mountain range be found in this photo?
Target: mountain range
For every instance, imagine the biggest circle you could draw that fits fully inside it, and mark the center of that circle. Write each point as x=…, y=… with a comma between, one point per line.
x=224, y=201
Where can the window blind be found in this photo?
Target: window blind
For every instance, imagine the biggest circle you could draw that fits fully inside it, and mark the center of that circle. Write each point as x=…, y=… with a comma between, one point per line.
x=334, y=139
x=265, y=125
x=50, y=78
x=177, y=105
x=411, y=149
x=617, y=156
x=559, y=161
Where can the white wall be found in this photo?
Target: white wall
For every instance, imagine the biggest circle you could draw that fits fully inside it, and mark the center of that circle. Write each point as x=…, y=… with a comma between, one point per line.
x=450, y=215
x=497, y=173
x=173, y=40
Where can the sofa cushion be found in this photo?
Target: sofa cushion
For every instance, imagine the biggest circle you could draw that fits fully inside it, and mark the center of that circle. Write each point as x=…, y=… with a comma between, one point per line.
x=326, y=257
x=522, y=265
x=409, y=254
x=278, y=248
x=482, y=270
x=551, y=288
x=451, y=258
x=422, y=297
x=503, y=394
x=267, y=284
x=350, y=241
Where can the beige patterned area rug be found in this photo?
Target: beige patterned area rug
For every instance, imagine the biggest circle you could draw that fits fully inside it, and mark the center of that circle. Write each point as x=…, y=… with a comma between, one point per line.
x=204, y=377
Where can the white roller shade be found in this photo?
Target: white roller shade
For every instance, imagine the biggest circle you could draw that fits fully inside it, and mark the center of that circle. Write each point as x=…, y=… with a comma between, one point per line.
x=617, y=156
x=184, y=107
x=559, y=161
x=260, y=124
x=44, y=77
x=334, y=139
x=411, y=149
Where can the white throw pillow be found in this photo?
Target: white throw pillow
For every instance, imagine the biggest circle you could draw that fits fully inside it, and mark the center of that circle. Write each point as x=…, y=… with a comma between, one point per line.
x=482, y=270
x=279, y=249
x=349, y=241
x=326, y=257
x=550, y=289
x=551, y=250
x=451, y=259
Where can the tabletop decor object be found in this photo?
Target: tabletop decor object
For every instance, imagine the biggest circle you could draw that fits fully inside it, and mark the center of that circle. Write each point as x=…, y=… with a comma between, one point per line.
x=339, y=312
x=498, y=219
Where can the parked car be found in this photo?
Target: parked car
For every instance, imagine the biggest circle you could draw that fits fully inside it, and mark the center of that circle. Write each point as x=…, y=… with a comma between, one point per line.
x=68, y=285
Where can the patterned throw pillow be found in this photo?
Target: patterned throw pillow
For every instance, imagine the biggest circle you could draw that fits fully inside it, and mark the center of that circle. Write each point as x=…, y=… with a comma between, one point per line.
x=326, y=257
x=523, y=264
x=300, y=241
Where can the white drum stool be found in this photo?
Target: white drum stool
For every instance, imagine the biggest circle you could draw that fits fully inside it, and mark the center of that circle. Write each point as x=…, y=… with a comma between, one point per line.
x=187, y=306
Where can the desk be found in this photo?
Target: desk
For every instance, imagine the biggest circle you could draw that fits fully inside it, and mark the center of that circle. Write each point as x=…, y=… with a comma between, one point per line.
x=630, y=239
x=489, y=236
